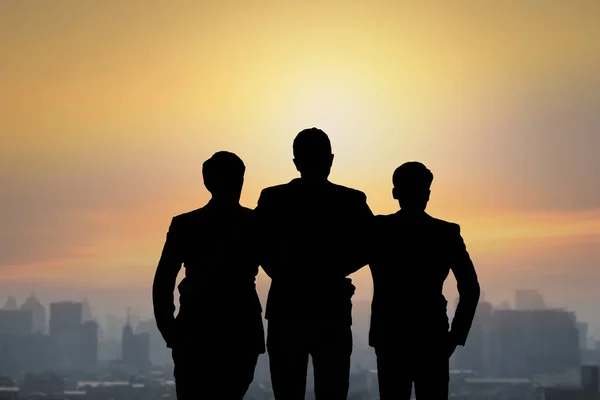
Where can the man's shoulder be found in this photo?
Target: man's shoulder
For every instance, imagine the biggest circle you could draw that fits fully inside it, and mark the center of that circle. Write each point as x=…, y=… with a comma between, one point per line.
x=291, y=189
x=347, y=192
x=443, y=225
x=190, y=214
x=199, y=212
x=275, y=191
x=187, y=217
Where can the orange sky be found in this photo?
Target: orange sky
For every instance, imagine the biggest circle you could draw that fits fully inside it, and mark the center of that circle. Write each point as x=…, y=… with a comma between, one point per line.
x=108, y=109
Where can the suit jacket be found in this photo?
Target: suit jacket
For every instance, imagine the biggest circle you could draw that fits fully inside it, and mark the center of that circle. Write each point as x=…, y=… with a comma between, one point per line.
x=312, y=237
x=218, y=299
x=412, y=254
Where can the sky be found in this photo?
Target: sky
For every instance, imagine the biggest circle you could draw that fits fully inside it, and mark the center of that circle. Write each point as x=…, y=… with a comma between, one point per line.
x=108, y=109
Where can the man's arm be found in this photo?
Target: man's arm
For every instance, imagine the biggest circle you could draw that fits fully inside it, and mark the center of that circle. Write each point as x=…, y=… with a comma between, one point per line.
x=361, y=248
x=164, y=285
x=262, y=212
x=468, y=290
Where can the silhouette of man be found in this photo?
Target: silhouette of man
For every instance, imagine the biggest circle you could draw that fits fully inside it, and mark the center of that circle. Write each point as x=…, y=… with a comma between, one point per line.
x=312, y=234
x=218, y=333
x=412, y=255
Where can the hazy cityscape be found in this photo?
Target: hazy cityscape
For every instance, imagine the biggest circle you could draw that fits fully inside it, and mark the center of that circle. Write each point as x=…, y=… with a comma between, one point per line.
x=108, y=110
x=526, y=350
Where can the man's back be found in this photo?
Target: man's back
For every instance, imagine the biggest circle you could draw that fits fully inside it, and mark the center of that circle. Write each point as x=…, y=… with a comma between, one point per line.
x=413, y=254
x=216, y=246
x=311, y=236
x=219, y=256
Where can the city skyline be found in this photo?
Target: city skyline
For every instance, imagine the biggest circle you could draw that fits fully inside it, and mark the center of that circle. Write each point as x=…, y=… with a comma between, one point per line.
x=523, y=299
x=522, y=352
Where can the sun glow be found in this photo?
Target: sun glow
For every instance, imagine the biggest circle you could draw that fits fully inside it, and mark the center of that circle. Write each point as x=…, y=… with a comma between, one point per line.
x=340, y=105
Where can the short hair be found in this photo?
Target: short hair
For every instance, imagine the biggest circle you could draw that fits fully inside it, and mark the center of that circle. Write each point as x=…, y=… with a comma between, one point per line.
x=412, y=175
x=311, y=142
x=222, y=170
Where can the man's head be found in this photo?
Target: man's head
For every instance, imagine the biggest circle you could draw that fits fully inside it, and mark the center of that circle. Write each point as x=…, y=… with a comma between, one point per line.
x=412, y=183
x=223, y=175
x=312, y=154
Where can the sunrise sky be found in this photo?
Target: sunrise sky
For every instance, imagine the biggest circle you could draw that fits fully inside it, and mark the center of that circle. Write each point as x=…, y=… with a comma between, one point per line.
x=109, y=108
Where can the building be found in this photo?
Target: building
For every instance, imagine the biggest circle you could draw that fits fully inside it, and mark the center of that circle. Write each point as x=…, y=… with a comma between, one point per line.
x=15, y=322
x=528, y=342
x=86, y=311
x=565, y=393
x=8, y=389
x=363, y=355
x=476, y=354
x=45, y=385
x=504, y=305
x=529, y=299
x=142, y=351
x=135, y=348
x=482, y=388
x=31, y=353
x=89, y=344
x=65, y=332
x=65, y=316
x=555, y=348
x=583, y=329
x=38, y=313
x=159, y=353
x=590, y=378
x=589, y=389
x=114, y=327
x=11, y=304
x=590, y=356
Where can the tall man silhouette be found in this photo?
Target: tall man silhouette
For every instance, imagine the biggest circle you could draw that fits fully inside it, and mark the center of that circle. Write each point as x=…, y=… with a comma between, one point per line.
x=218, y=333
x=412, y=254
x=313, y=237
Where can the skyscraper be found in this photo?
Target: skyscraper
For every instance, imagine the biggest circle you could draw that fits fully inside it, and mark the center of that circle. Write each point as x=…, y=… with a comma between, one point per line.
x=89, y=344
x=527, y=342
x=127, y=345
x=86, y=311
x=66, y=330
x=583, y=329
x=11, y=304
x=135, y=348
x=159, y=353
x=65, y=316
x=15, y=322
x=529, y=299
x=38, y=312
x=476, y=354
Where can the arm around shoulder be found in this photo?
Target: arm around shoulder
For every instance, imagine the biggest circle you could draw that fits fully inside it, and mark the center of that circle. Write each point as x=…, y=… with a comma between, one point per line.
x=364, y=212
x=361, y=235
x=263, y=201
x=263, y=212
